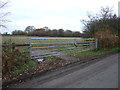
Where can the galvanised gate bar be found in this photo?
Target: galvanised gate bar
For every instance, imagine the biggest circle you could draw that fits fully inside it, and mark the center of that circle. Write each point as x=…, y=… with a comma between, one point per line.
x=44, y=47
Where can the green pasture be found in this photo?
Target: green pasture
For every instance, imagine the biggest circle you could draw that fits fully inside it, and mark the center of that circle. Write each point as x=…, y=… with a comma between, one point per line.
x=64, y=42
x=24, y=39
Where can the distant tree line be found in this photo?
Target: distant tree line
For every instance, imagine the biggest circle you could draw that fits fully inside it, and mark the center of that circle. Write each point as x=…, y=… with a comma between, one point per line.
x=50, y=33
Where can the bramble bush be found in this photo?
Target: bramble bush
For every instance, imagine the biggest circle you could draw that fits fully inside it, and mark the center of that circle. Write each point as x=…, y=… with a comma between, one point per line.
x=12, y=58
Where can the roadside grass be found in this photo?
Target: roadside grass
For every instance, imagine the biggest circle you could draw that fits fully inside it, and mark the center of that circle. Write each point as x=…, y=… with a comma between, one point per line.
x=86, y=54
x=20, y=69
x=83, y=54
x=53, y=61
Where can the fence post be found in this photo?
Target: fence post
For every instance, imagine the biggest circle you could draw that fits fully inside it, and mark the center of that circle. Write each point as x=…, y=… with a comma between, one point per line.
x=96, y=43
x=29, y=47
x=13, y=46
x=75, y=45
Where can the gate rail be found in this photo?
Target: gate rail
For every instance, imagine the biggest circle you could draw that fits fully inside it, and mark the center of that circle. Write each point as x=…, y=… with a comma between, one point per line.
x=39, y=46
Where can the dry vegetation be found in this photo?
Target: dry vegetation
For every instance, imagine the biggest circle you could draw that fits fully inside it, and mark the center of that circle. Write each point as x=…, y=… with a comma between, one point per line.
x=107, y=40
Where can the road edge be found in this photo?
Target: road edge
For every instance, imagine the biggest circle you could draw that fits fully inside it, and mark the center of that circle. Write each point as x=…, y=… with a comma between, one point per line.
x=83, y=62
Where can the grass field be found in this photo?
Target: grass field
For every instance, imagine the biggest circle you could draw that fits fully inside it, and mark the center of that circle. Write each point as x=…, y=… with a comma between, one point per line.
x=24, y=39
x=55, y=43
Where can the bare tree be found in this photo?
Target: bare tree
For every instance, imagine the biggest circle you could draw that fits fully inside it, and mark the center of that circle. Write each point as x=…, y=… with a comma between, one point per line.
x=106, y=13
x=3, y=5
x=101, y=21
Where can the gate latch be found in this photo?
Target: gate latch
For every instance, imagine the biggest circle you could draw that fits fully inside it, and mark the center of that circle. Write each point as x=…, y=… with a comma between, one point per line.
x=75, y=44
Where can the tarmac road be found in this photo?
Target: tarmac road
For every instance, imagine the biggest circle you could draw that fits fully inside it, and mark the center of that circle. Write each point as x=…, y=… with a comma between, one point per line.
x=101, y=74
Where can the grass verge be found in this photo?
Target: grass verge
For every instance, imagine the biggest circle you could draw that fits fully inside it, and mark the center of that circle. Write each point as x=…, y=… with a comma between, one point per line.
x=19, y=70
x=51, y=62
x=89, y=53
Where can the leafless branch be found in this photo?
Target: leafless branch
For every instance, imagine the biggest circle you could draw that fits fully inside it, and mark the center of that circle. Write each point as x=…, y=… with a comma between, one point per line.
x=3, y=26
x=5, y=14
x=3, y=4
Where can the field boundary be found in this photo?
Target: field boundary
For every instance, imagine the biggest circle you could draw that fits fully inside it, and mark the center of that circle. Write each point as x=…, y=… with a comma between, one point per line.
x=39, y=46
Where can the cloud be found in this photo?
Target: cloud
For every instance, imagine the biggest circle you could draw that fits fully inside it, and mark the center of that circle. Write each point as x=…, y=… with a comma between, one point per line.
x=54, y=13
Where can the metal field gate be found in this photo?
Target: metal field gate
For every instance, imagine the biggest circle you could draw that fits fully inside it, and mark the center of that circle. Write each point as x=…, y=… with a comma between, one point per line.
x=43, y=47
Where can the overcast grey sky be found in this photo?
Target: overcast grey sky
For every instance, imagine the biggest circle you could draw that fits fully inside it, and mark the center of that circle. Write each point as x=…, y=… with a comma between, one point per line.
x=55, y=14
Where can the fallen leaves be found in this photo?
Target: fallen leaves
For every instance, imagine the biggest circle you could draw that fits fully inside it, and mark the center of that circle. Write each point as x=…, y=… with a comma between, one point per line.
x=48, y=65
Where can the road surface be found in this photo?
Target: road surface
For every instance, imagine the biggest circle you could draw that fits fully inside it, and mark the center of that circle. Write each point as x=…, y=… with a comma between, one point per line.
x=100, y=74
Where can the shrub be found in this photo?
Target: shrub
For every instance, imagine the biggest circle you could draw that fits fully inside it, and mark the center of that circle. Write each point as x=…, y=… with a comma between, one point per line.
x=107, y=39
x=12, y=57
